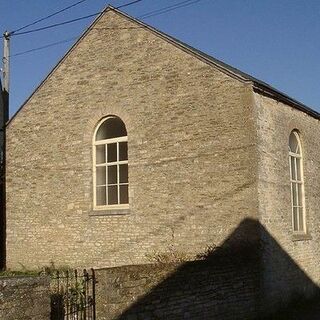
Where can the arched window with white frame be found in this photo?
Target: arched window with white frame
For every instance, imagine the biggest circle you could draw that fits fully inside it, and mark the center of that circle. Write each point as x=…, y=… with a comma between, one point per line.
x=110, y=164
x=296, y=181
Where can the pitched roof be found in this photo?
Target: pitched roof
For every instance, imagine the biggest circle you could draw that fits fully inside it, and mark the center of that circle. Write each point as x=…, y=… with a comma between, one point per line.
x=258, y=85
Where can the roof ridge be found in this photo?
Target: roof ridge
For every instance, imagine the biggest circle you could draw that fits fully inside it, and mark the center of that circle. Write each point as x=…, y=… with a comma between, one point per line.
x=257, y=84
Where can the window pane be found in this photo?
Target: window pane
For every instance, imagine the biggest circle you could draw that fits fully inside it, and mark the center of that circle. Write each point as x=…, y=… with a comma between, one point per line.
x=101, y=196
x=112, y=174
x=113, y=195
x=101, y=175
x=292, y=168
x=293, y=142
x=299, y=187
x=298, y=163
x=123, y=151
x=301, y=227
x=112, y=152
x=295, y=219
x=112, y=127
x=100, y=154
x=124, y=198
x=123, y=169
x=294, y=194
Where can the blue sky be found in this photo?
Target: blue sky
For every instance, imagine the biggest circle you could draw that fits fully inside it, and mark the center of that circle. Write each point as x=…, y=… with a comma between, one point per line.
x=277, y=41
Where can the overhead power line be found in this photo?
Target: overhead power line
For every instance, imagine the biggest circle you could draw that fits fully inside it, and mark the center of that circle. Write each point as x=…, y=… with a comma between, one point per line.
x=44, y=47
x=47, y=17
x=146, y=15
x=71, y=21
x=178, y=5
x=56, y=24
x=128, y=4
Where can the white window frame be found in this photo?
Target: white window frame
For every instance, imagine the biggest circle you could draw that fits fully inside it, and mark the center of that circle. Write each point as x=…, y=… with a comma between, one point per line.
x=105, y=142
x=294, y=185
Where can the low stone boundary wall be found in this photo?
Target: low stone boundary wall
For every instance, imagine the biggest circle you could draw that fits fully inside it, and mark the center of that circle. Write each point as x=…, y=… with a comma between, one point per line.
x=24, y=298
x=194, y=290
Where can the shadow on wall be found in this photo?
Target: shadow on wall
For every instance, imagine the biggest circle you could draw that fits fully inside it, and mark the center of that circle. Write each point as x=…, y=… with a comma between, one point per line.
x=230, y=282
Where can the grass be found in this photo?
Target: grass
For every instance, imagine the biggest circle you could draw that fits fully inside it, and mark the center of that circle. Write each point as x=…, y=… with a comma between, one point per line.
x=45, y=270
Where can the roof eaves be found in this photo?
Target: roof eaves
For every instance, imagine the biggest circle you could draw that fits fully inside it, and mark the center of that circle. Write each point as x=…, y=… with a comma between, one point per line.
x=189, y=49
x=258, y=85
x=269, y=91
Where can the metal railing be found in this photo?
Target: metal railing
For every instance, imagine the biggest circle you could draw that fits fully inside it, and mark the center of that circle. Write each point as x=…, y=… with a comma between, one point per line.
x=73, y=295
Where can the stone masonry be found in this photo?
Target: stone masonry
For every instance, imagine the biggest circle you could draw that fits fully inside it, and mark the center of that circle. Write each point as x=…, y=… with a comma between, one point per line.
x=191, y=140
x=24, y=298
x=207, y=150
x=275, y=121
x=196, y=290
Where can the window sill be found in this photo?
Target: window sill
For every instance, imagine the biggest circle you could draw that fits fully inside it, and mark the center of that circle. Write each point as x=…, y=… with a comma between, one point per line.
x=110, y=212
x=301, y=237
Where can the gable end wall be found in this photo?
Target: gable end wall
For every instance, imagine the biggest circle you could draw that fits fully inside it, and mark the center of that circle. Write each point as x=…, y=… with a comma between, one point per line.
x=192, y=154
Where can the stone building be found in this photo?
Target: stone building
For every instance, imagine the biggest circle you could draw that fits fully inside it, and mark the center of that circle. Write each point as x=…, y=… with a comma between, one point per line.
x=137, y=144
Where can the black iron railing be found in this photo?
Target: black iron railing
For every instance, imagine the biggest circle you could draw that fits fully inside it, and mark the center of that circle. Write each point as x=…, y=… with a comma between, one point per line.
x=73, y=295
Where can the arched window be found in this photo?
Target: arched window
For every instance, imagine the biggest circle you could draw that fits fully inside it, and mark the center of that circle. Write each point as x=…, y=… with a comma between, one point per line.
x=110, y=164
x=296, y=179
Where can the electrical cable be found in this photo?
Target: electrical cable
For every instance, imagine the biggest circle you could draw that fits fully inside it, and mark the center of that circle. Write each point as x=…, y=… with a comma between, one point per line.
x=146, y=15
x=71, y=21
x=44, y=47
x=47, y=17
x=168, y=9
x=128, y=4
x=56, y=24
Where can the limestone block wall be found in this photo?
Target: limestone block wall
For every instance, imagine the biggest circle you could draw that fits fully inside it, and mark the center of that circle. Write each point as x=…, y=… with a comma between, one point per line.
x=191, y=148
x=275, y=121
x=195, y=290
x=24, y=298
